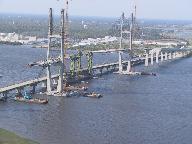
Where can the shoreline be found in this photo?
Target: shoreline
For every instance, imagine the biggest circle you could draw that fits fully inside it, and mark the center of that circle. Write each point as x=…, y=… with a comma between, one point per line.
x=7, y=137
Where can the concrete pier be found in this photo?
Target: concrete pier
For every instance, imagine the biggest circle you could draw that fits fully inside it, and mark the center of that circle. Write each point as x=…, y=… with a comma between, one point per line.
x=166, y=56
x=174, y=55
x=49, y=84
x=120, y=62
x=147, y=59
x=152, y=58
x=162, y=57
x=129, y=66
x=157, y=57
x=60, y=81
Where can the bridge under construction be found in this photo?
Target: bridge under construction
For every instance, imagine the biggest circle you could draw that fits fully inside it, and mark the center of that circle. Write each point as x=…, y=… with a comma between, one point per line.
x=56, y=83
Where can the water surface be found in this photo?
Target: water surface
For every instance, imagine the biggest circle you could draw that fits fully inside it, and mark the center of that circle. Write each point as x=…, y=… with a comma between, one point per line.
x=134, y=110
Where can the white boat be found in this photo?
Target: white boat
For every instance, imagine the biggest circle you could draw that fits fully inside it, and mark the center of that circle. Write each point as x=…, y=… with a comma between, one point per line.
x=93, y=95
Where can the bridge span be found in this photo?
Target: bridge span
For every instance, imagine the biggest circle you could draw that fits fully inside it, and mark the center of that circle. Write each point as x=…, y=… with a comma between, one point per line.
x=97, y=69
x=152, y=55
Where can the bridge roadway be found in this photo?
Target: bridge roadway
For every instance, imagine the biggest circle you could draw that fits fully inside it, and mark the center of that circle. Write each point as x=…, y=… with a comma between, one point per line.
x=44, y=79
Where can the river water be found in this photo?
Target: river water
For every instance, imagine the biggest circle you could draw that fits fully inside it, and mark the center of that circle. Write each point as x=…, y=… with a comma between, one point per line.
x=134, y=109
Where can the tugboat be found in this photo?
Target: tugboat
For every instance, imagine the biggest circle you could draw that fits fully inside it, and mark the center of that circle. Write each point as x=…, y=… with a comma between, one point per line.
x=28, y=99
x=76, y=88
x=146, y=73
x=93, y=95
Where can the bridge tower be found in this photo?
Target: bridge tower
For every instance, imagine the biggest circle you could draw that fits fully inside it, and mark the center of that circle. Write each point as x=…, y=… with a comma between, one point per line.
x=131, y=44
x=50, y=33
x=66, y=26
x=120, y=44
x=61, y=72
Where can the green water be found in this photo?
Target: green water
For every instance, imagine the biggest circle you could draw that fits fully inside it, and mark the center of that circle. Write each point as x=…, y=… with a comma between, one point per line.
x=7, y=137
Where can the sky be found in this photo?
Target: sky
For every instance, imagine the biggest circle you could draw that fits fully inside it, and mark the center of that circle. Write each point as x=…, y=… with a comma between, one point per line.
x=150, y=9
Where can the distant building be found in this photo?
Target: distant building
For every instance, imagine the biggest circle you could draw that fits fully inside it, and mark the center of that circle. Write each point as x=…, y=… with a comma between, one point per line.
x=14, y=37
x=91, y=41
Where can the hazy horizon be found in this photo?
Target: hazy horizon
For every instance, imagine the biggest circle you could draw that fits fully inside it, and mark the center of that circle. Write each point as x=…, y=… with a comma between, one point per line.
x=100, y=17
x=148, y=9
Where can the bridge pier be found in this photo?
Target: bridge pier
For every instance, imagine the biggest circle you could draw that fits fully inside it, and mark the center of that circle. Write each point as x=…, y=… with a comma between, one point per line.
x=33, y=89
x=157, y=57
x=101, y=71
x=120, y=62
x=107, y=68
x=147, y=59
x=114, y=67
x=60, y=87
x=170, y=55
x=174, y=55
x=50, y=32
x=152, y=58
x=49, y=84
x=162, y=56
x=129, y=66
x=166, y=56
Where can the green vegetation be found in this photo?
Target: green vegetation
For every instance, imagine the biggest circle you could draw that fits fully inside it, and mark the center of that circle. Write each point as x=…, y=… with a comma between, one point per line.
x=10, y=43
x=11, y=138
x=100, y=46
x=31, y=25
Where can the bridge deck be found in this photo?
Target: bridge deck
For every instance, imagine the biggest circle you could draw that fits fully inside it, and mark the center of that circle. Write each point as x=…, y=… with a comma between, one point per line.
x=39, y=80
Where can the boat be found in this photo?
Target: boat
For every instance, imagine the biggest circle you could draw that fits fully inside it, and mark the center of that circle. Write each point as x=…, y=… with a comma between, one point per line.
x=75, y=88
x=66, y=94
x=33, y=100
x=28, y=99
x=146, y=73
x=93, y=95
